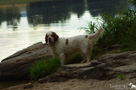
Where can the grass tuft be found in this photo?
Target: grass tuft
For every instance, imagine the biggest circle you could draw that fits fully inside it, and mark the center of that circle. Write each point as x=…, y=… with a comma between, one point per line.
x=120, y=76
x=44, y=67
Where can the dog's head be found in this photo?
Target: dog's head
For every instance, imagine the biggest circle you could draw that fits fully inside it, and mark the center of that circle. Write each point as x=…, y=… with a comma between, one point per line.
x=51, y=37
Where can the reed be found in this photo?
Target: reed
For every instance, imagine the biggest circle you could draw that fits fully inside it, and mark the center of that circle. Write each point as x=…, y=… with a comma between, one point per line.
x=119, y=30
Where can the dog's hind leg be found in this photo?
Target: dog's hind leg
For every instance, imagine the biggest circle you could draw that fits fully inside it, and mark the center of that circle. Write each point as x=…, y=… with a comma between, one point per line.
x=88, y=56
x=84, y=59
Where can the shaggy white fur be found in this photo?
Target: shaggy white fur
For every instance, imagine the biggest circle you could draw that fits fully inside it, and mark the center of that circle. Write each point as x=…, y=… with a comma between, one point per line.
x=64, y=47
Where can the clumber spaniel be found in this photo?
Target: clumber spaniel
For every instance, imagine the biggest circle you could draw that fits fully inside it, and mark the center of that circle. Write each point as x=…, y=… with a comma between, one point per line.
x=65, y=47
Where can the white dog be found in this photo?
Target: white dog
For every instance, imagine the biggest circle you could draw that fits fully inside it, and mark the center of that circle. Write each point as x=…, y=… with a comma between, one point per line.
x=65, y=47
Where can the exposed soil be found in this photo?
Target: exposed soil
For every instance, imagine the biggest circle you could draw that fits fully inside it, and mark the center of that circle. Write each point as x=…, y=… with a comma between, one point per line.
x=78, y=84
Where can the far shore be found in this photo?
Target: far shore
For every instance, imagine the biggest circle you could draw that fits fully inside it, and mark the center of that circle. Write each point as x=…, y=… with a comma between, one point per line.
x=16, y=2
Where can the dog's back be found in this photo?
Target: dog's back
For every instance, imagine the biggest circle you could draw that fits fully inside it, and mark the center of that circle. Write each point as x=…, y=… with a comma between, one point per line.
x=64, y=47
x=78, y=43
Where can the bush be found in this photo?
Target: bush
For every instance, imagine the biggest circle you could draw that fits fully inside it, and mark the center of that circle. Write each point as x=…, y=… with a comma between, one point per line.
x=133, y=2
x=119, y=30
x=44, y=67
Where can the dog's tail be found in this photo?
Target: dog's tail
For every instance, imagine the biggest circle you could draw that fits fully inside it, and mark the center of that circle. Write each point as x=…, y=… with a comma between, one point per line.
x=95, y=37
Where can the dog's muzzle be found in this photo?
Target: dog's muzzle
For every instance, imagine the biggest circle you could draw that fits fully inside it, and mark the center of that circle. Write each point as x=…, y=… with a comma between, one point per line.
x=49, y=41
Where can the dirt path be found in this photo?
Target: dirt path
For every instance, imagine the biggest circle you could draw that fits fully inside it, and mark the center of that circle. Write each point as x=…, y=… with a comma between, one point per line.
x=77, y=84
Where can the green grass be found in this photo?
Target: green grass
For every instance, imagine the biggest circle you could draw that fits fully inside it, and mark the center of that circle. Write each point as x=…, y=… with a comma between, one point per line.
x=44, y=67
x=119, y=30
x=47, y=66
x=120, y=76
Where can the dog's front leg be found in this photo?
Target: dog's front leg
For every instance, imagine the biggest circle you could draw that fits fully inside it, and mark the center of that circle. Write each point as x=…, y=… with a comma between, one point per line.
x=88, y=56
x=62, y=59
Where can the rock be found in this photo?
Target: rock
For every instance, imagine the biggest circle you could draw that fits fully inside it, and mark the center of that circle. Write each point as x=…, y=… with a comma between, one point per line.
x=28, y=85
x=126, y=68
x=66, y=89
x=16, y=66
x=106, y=67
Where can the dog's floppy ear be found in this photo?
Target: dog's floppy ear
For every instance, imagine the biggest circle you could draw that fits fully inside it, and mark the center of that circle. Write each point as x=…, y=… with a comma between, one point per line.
x=46, y=38
x=56, y=37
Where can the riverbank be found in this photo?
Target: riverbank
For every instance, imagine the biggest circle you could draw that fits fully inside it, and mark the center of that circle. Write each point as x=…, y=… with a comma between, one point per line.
x=78, y=84
x=109, y=72
x=7, y=84
x=6, y=2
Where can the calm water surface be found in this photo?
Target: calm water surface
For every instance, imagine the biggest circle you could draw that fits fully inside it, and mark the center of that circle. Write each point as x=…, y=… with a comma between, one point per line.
x=22, y=25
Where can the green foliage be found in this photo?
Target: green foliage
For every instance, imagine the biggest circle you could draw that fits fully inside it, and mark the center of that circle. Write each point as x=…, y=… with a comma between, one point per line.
x=119, y=30
x=44, y=67
x=90, y=29
x=120, y=76
x=133, y=2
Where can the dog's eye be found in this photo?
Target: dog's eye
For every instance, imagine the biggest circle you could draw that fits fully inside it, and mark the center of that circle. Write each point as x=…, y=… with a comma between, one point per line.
x=47, y=35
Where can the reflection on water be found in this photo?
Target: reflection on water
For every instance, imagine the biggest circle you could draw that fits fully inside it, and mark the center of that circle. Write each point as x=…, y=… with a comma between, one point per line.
x=24, y=24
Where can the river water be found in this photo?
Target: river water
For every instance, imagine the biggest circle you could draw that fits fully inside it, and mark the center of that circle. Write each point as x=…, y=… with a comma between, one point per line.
x=24, y=24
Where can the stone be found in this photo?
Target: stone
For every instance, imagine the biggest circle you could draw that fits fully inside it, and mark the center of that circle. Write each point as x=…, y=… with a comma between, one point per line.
x=106, y=67
x=28, y=85
x=126, y=68
x=16, y=66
